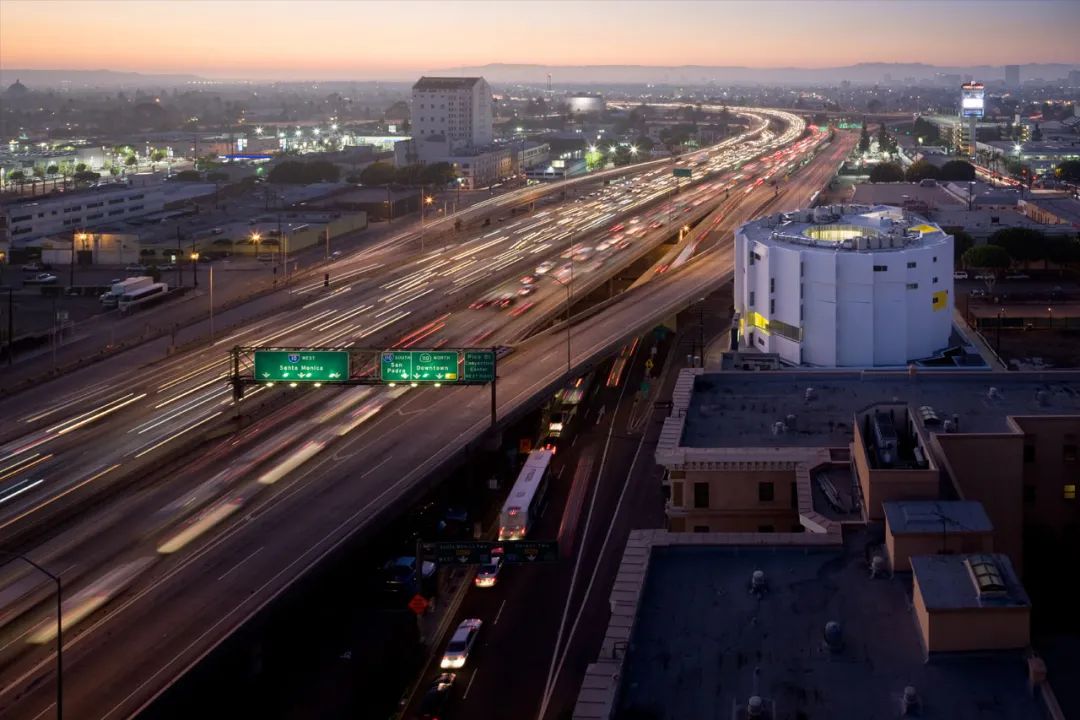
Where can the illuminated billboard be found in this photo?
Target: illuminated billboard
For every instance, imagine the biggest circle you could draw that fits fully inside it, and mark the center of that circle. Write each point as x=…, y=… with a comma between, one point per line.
x=972, y=100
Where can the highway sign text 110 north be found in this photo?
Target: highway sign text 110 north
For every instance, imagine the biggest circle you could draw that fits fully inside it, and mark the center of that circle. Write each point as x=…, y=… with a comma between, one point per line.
x=301, y=366
x=480, y=552
x=432, y=366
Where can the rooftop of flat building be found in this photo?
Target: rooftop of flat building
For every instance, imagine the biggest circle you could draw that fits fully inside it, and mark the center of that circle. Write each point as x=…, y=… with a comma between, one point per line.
x=851, y=228
x=899, y=193
x=445, y=83
x=954, y=582
x=700, y=633
x=906, y=517
x=737, y=409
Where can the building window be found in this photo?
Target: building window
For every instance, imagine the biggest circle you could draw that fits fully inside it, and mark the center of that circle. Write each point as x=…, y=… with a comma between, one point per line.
x=913, y=286
x=1069, y=492
x=701, y=528
x=881, y=268
x=1029, y=453
x=911, y=264
x=802, y=269
x=765, y=492
x=801, y=308
x=935, y=258
x=677, y=494
x=772, y=307
x=751, y=298
x=701, y=495
x=794, y=495
x=1069, y=452
x=772, y=285
x=934, y=281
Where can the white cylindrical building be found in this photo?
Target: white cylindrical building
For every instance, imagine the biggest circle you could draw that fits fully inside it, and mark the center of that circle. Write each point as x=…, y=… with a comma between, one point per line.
x=844, y=286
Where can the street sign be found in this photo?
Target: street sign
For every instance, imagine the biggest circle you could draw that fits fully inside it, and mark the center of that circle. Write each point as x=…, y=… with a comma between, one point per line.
x=479, y=366
x=682, y=172
x=480, y=552
x=418, y=604
x=427, y=366
x=301, y=365
x=649, y=364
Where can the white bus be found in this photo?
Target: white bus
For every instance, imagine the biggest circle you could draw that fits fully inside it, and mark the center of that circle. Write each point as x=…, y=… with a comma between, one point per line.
x=147, y=295
x=522, y=506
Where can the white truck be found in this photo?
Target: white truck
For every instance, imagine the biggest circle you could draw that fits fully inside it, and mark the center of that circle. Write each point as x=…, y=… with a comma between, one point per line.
x=111, y=298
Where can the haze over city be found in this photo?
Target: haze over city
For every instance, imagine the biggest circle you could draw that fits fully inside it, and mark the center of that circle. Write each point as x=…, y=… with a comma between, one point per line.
x=321, y=40
x=539, y=359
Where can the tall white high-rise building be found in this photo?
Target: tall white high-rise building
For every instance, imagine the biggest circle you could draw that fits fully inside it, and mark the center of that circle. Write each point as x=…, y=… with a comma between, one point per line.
x=458, y=109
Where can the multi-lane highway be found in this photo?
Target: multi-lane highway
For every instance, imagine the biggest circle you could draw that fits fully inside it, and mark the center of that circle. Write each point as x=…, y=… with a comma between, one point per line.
x=157, y=577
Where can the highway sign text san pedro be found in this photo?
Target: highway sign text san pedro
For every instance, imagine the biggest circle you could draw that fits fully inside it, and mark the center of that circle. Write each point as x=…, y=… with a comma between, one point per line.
x=301, y=365
x=419, y=366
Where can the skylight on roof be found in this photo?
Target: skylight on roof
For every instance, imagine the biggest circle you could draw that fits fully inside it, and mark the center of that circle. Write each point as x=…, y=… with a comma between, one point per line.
x=986, y=574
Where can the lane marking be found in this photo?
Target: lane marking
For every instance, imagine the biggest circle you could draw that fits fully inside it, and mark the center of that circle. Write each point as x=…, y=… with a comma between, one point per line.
x=499, y=614
x=377, y=465
x=230, y=570
x=469, y=686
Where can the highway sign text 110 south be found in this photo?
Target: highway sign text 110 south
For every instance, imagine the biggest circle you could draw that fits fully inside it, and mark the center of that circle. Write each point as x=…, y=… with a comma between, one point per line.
x=301, y=366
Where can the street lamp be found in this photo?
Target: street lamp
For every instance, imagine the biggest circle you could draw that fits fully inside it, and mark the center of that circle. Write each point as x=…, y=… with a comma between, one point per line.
x=255, y=238
x=195, y=267
x=8, y=557
x=1050, y=310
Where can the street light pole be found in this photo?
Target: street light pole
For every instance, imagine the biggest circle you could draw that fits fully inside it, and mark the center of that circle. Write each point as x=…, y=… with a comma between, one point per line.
x=211, y=303
x=11, y=326
x=59, y=627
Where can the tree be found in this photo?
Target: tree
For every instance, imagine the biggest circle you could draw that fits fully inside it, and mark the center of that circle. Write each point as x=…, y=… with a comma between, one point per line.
x=187, y=176
x=217, y=176
x=380, y=173
x=157, y=155
x=1068, y=170
x=886, y=143
x=926, y=130
x=864, y=140
x=921, y=170
x=1022, y=244
x=887, y=172
x=85, y=176
x=988, y=260
x=16, y=176
x=957, y=170
x=409, y=175
x=438, y=174
x=52, y=170
x=80, y=167
x=131, y=161
x=962, y=242
x=1062, y=250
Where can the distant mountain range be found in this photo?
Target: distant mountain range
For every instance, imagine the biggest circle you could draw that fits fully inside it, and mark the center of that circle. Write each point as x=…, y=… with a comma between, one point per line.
x=734, y=75
x=37, y=79
x=562, y=75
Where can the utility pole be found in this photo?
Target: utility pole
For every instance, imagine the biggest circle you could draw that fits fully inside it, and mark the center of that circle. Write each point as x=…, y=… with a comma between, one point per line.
x=11, y=326
x=179, y=260
x=71, y=279
x=328, y=242
x=211, y=303
x=59, y=627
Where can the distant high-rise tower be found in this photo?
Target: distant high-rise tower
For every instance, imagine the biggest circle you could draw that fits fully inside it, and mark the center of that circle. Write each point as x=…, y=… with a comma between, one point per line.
x=459, y=109
x=1012, y=77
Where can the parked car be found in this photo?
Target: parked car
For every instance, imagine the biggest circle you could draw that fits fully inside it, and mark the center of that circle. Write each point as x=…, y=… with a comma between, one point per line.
x=40, y=279
x=400, y=572
x=36, y=267
x=457, y=650
x=135, y=267
x=1018, y=276
x=435, y=700
x=985, y=276
x=960, y=275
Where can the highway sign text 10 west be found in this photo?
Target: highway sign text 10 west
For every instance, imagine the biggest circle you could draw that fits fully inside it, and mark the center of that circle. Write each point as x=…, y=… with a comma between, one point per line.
x=301, y=366
x=419, y=366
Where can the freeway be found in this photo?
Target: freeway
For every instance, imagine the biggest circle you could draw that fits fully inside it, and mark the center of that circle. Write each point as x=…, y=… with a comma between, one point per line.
x=163, y=601
x=57, y=456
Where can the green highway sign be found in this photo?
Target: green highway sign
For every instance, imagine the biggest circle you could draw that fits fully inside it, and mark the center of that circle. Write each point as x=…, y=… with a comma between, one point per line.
x=682, y=172
x=301, y=365
x=479, y=366
x=480, y=552
x=427, y=366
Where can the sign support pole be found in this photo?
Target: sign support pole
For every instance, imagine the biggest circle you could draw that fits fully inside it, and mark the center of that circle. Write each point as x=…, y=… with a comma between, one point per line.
x=494, y=376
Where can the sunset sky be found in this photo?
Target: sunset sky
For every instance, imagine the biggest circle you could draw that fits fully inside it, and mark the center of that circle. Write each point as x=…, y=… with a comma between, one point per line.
x=392, y=40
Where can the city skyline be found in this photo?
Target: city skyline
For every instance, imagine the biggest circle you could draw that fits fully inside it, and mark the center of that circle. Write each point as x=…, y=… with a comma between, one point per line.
x=239, y=40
